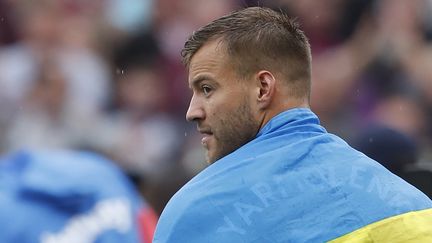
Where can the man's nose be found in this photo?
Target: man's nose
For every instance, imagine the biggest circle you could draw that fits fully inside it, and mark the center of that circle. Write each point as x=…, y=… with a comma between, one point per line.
x=195, y=111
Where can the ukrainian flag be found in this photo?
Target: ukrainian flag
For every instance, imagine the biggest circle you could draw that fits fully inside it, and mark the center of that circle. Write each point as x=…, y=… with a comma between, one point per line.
x=296, y=183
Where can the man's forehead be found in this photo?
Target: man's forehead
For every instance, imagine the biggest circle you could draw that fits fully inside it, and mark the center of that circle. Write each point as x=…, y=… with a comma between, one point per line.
x=210, y=49
x=210, y=56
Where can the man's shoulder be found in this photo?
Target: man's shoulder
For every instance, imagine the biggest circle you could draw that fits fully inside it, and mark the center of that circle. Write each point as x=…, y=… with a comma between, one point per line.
x=288, y=193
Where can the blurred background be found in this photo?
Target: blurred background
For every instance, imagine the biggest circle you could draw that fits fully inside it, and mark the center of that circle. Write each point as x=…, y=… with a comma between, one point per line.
x=106, y=76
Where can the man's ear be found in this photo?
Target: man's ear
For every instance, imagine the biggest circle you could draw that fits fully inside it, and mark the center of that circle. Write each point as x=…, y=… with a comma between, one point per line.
x=266, y=88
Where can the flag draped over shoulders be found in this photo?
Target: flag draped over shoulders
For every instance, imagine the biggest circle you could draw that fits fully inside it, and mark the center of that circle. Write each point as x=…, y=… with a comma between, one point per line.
x=294, y=183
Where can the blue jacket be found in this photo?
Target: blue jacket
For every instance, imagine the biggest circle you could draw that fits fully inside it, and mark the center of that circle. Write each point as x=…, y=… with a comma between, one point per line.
x=63, y=197
x=293, y=183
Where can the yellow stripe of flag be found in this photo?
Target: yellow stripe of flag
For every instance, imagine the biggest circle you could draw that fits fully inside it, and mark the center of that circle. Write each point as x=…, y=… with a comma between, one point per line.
x=415, y=226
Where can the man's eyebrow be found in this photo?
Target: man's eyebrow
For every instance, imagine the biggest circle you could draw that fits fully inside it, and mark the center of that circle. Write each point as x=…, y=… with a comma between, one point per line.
x=197, y=80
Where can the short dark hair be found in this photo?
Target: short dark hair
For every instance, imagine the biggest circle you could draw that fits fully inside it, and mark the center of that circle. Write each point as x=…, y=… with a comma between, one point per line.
x=259, y=38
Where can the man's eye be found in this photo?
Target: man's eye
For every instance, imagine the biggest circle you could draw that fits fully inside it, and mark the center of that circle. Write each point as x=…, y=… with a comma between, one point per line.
x=206, y=89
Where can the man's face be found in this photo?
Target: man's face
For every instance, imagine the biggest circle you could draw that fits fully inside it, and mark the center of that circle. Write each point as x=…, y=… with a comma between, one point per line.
x=221, y=105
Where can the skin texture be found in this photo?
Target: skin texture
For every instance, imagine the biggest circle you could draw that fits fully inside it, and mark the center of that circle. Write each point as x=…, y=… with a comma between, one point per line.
x=230, y=110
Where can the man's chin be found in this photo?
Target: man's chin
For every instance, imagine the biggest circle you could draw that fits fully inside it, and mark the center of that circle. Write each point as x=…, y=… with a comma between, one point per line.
x=211, y=157
x=210, y=160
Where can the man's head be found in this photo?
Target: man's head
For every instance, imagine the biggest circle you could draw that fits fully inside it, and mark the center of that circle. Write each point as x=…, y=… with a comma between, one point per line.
x=245, y=68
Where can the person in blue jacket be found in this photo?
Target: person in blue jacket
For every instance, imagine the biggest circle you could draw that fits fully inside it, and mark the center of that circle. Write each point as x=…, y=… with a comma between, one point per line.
x=59, y=196
x=276, y=175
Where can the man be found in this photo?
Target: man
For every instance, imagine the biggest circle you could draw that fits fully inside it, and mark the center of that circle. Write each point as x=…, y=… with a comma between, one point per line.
x=276, y=175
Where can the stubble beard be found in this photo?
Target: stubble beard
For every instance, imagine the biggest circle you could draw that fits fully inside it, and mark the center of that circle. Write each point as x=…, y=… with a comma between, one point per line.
x=233, y=131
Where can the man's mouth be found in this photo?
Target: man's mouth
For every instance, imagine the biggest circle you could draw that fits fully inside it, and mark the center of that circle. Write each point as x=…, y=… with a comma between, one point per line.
x=205, y=140
x=207, y=134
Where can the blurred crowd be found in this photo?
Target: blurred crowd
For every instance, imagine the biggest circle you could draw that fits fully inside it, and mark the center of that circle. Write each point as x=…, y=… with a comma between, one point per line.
x=106, y=76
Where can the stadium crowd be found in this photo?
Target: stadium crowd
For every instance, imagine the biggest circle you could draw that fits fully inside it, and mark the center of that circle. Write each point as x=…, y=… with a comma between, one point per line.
x=106, y=76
